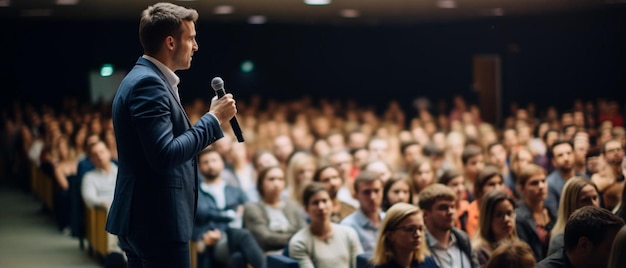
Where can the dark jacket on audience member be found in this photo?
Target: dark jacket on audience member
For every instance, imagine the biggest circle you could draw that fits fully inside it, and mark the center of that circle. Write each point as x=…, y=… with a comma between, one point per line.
x=210, y=217
x=527, y=229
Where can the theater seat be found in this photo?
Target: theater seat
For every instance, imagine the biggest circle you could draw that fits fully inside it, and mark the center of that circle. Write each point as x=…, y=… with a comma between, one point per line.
x=280, y=261
x=363, y=260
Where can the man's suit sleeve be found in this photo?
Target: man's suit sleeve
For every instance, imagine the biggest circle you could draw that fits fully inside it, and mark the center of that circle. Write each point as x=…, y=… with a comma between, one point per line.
x=150, y=107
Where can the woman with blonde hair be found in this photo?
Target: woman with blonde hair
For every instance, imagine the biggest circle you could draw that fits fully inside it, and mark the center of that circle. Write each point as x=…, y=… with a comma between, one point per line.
x=496, y=223
x=401, y=240
x=299, y=173
x=577, y=192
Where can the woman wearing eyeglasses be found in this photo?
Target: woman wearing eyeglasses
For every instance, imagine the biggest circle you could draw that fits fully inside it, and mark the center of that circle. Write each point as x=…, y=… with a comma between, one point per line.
x=401, y=241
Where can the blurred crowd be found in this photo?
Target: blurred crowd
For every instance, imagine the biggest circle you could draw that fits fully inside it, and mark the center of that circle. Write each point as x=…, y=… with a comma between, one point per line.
x=532, y=172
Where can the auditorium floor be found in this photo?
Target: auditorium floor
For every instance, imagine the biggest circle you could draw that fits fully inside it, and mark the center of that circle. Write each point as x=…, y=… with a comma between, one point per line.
x=29, y=237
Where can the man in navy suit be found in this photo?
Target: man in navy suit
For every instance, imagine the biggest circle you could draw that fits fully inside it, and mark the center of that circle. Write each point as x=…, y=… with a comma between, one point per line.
x=157, y=185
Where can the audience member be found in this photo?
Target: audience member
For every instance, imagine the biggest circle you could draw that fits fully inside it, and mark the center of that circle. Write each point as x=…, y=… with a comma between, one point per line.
x=577, y=192
x=396, y=190
x=589, y=235
x=65, y=166
x=519, y=159
x=243, y=170
x=329, y=177
x=217, y=232
x=368, y=189
x=272, y=220
x=401, y=241
x=323, y=244
x=343, y=161
x=299, y=173
x=411, y=152
x=610, y=181
x=488, y=179
x=98, y=188
x=421, y=175
x=498, y=157
x=449, y=246
x=512, y=254
x=473, y=161
x=454, y=180
x=497, y=224
x=563, y=162
x=380, y=167
x=534, y=220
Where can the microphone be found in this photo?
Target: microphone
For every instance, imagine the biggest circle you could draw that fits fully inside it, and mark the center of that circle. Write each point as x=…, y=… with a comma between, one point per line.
x=218, y=85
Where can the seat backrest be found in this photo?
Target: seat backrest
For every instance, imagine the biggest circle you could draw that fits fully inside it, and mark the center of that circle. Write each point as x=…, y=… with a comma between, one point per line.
x=280, y=261
x=363, y=260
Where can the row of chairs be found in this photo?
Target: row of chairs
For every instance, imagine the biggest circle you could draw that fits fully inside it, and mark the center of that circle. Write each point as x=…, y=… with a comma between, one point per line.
x=42, y=186
x=282, y=261
x=86, y=223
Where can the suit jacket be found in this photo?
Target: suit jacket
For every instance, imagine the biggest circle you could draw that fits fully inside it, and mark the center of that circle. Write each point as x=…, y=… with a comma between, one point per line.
x=256, y=220
x=156, y=189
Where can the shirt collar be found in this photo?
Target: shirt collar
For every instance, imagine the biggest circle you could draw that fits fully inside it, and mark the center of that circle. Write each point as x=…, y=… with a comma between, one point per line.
x=171, y=77
x=362, y=220
x=433, y=242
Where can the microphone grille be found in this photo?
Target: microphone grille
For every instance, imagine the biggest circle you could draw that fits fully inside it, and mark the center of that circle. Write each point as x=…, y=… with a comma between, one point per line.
x=217, y=83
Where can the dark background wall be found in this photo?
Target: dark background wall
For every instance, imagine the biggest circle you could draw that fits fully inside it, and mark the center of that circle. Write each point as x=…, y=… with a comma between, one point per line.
x=549, y=59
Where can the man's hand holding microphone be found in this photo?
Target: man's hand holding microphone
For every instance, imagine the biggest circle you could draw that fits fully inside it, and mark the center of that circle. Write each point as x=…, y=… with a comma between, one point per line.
x=224, y=108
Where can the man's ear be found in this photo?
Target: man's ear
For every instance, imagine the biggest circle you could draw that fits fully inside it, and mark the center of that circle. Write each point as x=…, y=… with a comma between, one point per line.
x=169, y=42
x=584, y=244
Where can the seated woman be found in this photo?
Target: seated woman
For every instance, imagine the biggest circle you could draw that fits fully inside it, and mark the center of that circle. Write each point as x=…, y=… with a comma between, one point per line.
x=272, y=221
x=402, y=239
x=496, y=224
x=534, y=220
x=421, y=175
x=330, y=178
x=488, y=179
x=512, y=254
x=323, y=244
x=396, y=190
x=577, y=192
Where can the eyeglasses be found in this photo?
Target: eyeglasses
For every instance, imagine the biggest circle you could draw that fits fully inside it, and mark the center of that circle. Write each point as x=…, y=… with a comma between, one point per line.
x=410, y=229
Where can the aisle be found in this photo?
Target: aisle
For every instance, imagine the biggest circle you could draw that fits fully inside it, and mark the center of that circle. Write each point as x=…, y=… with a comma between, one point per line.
x=30, y=239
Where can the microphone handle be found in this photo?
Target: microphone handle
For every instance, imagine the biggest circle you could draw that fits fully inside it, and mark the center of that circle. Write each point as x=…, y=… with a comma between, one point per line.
x=233, y=121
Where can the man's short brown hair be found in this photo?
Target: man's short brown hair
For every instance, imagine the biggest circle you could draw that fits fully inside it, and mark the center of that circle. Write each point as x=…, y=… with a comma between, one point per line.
x=160, y=21
x=432, y=192
x=365, y=176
